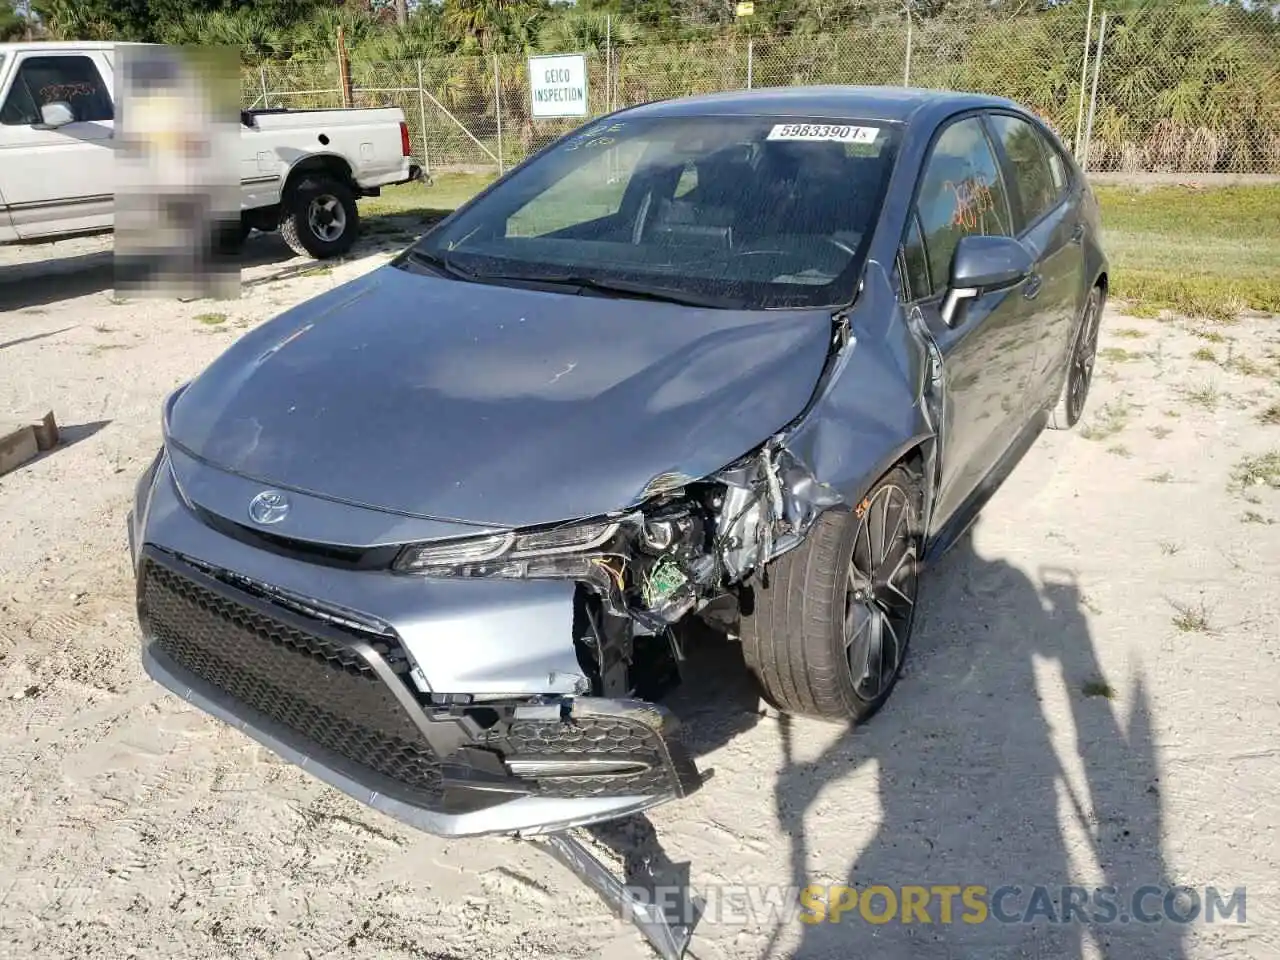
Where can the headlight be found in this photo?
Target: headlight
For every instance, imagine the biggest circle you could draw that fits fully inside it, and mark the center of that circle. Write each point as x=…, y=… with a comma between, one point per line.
x=499, y=554
x=449, y=553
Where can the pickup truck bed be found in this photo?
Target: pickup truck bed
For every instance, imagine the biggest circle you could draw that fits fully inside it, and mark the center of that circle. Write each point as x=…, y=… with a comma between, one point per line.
x=300, y=171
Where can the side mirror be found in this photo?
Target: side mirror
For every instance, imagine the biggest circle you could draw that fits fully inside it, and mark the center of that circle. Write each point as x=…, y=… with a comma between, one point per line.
x=984, y=263
x=56, y=114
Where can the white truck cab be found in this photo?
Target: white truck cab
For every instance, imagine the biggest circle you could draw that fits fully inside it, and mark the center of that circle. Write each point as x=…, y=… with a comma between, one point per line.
x=300, y=171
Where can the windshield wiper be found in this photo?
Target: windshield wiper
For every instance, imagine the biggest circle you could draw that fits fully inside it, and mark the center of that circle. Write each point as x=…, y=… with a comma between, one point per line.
x=625, y=288
x=442, y=264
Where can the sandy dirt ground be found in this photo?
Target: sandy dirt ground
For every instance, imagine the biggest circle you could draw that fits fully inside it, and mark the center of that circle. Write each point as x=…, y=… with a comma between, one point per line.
x=1092, y=696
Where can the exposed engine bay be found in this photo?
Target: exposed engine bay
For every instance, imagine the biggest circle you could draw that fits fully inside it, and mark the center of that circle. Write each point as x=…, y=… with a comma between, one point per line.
x=691, y=548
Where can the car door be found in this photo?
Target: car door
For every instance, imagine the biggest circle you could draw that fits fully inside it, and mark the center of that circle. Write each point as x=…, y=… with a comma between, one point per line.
x=1048, y=224
x=57, y=181
x=986, y=358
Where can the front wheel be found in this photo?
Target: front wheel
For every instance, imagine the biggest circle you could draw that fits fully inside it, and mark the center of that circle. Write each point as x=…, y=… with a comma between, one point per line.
x=832, y=619
x=320, y=218
x=1075, y=389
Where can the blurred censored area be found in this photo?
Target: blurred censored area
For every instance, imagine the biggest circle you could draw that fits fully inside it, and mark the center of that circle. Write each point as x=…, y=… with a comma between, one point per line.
x=177, y=203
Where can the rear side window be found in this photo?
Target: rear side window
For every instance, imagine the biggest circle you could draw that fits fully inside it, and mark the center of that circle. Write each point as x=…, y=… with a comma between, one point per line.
x=1025, y=149
x=962, y=193
x=44, y=80
x=1057, y=167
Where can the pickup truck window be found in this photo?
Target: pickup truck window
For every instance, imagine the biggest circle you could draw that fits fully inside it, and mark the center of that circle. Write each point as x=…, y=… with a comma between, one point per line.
x=42, y=80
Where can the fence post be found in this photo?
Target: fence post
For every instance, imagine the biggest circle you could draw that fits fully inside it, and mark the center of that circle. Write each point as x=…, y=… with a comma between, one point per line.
x=608, y=64
x=751, y=51
x=1084, y=79
x=422, y=111
x=906, y=67
x=497, y=109
x=1093, y=97
x=262, y=75
x=344, y=69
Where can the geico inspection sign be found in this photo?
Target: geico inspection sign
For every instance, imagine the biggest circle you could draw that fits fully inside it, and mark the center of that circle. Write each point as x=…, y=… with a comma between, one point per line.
x=558, y=85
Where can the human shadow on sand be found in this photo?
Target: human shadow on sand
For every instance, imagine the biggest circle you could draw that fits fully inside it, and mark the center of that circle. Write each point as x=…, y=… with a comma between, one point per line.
x=972, y=790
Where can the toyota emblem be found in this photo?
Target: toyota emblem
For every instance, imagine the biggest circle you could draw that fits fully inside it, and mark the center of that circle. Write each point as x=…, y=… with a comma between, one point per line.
x=270, y=506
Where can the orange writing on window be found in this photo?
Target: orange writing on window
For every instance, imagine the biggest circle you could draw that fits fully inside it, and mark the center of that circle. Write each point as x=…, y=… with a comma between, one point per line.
x=55, y=92
x=973, y=198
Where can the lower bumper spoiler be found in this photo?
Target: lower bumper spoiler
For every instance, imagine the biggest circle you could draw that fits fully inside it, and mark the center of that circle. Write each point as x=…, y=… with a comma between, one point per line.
x=332, y=704
x=528, y=816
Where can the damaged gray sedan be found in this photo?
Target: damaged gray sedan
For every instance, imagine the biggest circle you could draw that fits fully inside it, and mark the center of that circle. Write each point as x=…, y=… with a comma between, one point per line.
x=754, y=358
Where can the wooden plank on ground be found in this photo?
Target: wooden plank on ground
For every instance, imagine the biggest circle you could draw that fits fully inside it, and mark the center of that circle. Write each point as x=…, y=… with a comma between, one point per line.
x=43, y=423
x=17, y=446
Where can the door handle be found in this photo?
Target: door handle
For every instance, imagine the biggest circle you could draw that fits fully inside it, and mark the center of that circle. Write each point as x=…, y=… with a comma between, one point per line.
x=1077, y=234
x=1031, y=289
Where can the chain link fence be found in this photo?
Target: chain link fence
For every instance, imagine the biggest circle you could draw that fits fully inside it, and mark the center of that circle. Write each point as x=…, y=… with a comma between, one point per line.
x=1159, y=89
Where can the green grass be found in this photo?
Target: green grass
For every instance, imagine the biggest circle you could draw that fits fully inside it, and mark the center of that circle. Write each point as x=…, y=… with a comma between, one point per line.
x=1098, y=688
x=1206, y=395
x=1119, y=355
x=428, y=201
x=1259, y=471
x=1107, y=422
x=1204, y=253
x=1191, y=619
x=212, y=319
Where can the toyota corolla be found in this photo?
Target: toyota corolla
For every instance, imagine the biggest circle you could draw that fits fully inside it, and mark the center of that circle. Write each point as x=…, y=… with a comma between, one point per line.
x=756, y=358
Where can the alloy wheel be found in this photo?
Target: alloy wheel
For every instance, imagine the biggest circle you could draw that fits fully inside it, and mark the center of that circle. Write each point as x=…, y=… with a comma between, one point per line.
x=326, y=217
x=883, y=583
x=1083, y=359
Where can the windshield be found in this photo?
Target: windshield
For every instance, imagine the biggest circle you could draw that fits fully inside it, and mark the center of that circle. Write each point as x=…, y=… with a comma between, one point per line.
x=749, y=212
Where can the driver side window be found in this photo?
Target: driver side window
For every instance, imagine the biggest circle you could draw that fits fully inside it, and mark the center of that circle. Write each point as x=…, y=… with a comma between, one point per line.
x=44, y=80
x=961, y=193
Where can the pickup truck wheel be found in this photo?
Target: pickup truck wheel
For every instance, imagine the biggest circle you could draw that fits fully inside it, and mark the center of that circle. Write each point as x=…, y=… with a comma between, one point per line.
x=320, y=217
x=229, y=238
x=832, y=618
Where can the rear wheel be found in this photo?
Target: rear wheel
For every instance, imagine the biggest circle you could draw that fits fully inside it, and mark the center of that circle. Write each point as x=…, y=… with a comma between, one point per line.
x=229, y=237
x=1075, y=390
x=320, y=218
x=832, y=619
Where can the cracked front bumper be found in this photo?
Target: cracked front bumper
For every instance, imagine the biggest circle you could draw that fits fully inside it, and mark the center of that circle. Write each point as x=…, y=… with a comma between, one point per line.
x=337, y=699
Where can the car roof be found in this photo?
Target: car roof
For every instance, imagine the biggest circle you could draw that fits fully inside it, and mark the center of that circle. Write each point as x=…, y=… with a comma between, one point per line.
x=888, y=104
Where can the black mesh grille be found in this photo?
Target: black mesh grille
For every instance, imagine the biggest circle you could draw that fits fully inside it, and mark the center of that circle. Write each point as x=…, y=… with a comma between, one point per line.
x=595, y=736
x=310, y=682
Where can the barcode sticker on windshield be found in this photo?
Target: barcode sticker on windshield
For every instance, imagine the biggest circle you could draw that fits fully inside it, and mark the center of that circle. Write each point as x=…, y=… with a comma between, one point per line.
x=821, y=131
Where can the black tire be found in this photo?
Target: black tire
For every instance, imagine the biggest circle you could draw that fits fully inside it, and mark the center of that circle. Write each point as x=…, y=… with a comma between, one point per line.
x=794, y=638
x=229, y=238
x=319, y=217
x=1084, y=352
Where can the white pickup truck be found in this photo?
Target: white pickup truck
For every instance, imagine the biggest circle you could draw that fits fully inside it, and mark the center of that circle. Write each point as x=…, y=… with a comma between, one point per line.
x=300, y=171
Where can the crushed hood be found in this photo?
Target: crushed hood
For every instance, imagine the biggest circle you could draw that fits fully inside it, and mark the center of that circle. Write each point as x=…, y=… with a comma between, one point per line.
x=495, y=405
